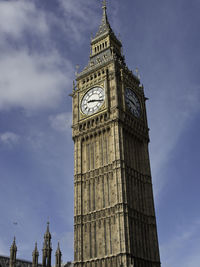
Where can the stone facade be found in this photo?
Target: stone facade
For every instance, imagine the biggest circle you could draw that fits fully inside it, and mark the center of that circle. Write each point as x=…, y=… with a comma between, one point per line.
x=114, y=216
x=4, y=262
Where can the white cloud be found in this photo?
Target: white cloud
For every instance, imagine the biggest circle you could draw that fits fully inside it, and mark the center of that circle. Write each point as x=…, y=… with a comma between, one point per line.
x=9, y=138
x=30, y=78
x=31, y=81
x=17, y=16
x=61, y=122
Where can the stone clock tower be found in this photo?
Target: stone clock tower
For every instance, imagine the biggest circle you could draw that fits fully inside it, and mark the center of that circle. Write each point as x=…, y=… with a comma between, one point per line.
x=114, y=216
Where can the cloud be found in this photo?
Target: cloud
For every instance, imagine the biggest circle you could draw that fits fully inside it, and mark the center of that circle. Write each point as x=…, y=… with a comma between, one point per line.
x=35, y=76
x=61, y=122
x=172, y=250
x=31, y=81
x=169, y=119
x=9, y=138
x=80, y=16
x=19, y=16
x=32, y=76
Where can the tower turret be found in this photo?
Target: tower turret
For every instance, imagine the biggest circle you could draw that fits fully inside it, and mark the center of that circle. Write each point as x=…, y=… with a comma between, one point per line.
x=13, y=254
x=58, y=256
x=35, y=255
x=46, y=259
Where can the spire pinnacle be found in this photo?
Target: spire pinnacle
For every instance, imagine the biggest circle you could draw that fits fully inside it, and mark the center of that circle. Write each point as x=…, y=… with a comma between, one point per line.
x=58, y=249
x=58, y=256
x=105, y=26
x=14, y=243
x=104, y=4
x=47, y=235
x=35, y=255
x=48, y=227
x=35, y=246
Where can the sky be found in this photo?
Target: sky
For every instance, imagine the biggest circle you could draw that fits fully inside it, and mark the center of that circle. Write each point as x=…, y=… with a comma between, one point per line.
x=41, y=42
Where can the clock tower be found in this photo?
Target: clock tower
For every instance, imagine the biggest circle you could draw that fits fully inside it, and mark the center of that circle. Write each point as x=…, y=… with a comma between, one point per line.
x=114, y=215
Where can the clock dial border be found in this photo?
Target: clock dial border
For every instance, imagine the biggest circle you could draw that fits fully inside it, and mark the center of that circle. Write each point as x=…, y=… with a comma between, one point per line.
x=96, y=110
x=137, y=111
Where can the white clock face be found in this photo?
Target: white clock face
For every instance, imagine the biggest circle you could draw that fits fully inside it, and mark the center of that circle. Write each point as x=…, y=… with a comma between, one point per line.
x=132, y=102
x=92, y=100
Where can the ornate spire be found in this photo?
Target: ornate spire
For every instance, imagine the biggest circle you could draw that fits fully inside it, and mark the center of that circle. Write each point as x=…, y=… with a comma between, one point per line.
x=13, y=254
x=58, y=249
x=35, y=255
x=47, y=235
x=104, y=4
x=58, y=256
x=105, y=25
x=46, y=260
x=14, y=247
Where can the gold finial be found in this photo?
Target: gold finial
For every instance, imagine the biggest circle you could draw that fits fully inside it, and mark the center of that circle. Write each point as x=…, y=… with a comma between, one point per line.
x=104, y=4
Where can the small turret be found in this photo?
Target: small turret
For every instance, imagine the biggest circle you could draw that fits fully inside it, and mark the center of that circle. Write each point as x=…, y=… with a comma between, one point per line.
x=58, y=256
x=13, y=254
x=35, y=255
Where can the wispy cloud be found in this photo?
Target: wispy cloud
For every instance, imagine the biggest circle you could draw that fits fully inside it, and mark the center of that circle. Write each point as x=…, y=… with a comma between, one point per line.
x=31, y=81
x=9, y=138
x=172, y=250
x=19, y=16
x=78, y=17
x=32, y=76
x=167, y=127
x=61, y=122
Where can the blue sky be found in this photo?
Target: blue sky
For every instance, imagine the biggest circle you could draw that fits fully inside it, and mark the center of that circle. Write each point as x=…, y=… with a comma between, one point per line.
x=41, y=42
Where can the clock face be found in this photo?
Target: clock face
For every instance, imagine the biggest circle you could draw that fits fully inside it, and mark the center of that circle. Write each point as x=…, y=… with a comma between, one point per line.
x=92, y=100
x=132, y=102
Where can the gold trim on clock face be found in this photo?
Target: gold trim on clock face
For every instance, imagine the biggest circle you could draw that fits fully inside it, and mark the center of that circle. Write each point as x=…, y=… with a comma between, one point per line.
x=93, y=100
x=132, y=102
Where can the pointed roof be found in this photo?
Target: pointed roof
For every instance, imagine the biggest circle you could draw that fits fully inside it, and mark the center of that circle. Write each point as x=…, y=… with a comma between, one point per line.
x=35, y=251
x=47, y=235
x=58, y=251
x=105, y=25
x=13, y=246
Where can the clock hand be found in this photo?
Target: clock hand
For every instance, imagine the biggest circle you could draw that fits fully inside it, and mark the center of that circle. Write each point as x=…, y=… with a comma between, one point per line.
x=132, y=102
x=95, y=100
